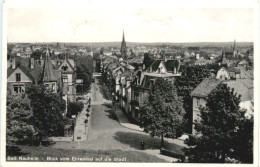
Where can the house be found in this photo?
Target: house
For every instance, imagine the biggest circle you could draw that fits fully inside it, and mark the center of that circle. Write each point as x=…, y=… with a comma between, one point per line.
x=228, y=73
x=142, y=80
x=243, y=87
x=21, y=73
x=68, y=72
x=51, y=78
x=160, y=66
x=200, y=94
x=243, y=63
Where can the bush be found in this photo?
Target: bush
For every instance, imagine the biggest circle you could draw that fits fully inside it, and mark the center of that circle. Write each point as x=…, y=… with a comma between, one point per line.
x=74, y=108
x=172, y=154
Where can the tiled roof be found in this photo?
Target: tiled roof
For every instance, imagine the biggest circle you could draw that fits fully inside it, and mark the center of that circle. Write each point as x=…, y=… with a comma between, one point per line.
x=244, y=87
x=205, y=87
x=49, y=73
x=155, y=65
x=232, y=69
x=241, y=89
x=246, y=74
x=24, y=65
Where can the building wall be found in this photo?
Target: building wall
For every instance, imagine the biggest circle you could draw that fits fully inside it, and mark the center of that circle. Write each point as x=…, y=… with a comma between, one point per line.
x=222, y=74
x=248, y=106
x=11, y=85
x=196, y=103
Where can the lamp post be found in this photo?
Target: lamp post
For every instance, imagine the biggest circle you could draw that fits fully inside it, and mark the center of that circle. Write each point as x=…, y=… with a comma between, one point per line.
x=86, y=121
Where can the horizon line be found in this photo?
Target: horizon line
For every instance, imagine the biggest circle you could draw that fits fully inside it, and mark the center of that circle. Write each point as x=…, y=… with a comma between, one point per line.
x=136, y=42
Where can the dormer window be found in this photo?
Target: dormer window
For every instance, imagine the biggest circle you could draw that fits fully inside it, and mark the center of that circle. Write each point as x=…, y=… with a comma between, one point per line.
x=64, y=68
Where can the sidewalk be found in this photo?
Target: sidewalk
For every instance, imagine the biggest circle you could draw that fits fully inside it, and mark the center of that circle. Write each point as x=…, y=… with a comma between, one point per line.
x=123, y=120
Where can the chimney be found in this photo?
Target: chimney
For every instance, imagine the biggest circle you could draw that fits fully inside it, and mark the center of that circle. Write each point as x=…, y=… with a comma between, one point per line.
x=13, y=63
x=32, y=63
x=174, y=70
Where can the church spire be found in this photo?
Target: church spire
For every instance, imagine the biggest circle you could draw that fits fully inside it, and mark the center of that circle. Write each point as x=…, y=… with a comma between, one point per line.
x=123, y=36
x=123, y=46
x=234, y=49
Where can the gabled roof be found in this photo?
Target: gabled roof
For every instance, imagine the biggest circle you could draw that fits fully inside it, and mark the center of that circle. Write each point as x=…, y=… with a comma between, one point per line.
x=235, y=70
x=241, y=89
x=24, y=65
x=66, y=61
x=155, y=65
x=49, y=73
x=205, y=87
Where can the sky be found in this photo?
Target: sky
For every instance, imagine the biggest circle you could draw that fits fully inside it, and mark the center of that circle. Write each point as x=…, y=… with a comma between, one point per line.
x=140, y=24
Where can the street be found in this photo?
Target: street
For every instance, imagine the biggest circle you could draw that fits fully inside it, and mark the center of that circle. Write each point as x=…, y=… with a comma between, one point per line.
x=106, y=133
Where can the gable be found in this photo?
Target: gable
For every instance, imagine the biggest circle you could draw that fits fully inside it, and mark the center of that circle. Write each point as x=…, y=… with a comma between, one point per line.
x=161, y=68
x=65, y=66
x=223, y=73
x=24, y=77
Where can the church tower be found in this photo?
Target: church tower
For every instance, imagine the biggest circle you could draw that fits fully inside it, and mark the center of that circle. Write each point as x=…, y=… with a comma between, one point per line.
x=234, y=49
x=123, y=46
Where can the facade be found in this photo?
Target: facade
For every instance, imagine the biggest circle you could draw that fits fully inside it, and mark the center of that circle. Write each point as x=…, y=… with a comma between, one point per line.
x=199, y=96
x=21, y=73
x=67, y=69
x=160, y=68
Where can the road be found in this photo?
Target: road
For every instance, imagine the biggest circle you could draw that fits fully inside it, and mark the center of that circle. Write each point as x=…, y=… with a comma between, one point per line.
x=105, y=132
x=103, y=128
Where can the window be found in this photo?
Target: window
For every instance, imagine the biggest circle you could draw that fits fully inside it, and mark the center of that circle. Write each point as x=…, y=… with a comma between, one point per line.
x=18, y=89
x=65, y=79
x=198, y=102
x=64, y=68
x=18, y=77
x=53, y=86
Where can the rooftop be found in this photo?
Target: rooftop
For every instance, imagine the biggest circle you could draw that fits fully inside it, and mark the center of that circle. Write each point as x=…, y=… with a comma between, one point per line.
x=205, y=87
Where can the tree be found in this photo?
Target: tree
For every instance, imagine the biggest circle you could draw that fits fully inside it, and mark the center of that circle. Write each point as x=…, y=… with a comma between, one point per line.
x=47, y=110
x=97, y=59
x=243, y=144
x=18, y=113
x=189, y=80
x=74, y=108
x=217, y=128
x=84, y=70
x=162, y=113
